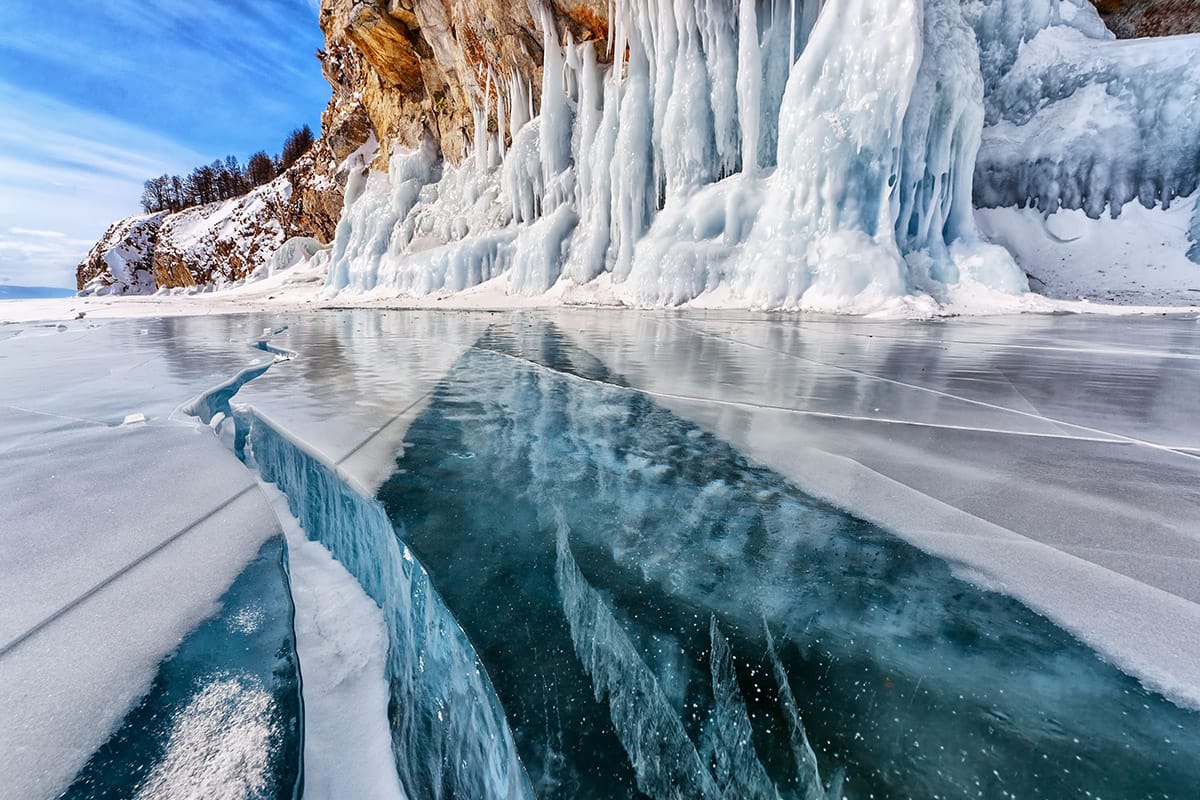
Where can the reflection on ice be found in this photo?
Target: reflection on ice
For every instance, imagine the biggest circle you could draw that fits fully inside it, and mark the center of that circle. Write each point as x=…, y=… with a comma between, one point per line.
x=671, y=547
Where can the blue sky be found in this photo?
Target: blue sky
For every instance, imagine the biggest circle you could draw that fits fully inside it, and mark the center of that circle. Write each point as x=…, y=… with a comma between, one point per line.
x=96, y=97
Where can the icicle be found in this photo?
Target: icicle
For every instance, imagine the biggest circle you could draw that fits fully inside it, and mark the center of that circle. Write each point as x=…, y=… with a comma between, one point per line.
x=556, y=112
x=480, y=117
x=518, y=104
x=598, y=106
x=749, y=83
x=633, y=196
x=501, y=123
x=632, y=168
x=688, y=142
x=792, y=33
x=825, y=234
x=718, y=40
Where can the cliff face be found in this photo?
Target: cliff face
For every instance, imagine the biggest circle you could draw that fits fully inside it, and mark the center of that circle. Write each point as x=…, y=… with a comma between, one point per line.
x=423, y=65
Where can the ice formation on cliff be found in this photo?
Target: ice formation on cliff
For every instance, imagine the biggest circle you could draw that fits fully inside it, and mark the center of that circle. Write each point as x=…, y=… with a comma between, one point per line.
x=782, y=154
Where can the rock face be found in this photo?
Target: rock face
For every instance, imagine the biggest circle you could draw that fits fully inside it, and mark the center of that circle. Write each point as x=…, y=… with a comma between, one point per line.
x=1130, y=19
x=424, y=65
x=122, y=261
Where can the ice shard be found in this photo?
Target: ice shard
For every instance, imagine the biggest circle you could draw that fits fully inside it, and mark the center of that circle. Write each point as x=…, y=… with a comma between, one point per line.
x=449, y=734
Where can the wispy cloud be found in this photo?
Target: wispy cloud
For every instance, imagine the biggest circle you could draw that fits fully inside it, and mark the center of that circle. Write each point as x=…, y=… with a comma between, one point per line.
x=36, y=234
x=231, y=76
x=64, y=178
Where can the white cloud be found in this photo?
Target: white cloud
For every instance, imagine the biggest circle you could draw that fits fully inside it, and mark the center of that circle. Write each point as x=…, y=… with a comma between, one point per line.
x=36, y=234
x=63, y=180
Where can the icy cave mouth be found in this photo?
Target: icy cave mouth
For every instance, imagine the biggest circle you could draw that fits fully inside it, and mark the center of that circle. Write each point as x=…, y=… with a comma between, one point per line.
x=586, y=595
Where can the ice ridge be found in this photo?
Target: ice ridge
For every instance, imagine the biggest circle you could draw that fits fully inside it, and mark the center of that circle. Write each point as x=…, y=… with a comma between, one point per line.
x=449, y=734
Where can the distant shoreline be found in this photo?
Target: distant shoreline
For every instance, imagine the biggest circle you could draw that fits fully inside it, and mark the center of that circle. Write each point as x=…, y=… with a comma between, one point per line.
x=33, y=292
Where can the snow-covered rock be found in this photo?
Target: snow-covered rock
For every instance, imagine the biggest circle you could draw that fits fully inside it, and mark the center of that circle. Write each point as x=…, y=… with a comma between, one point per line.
x=223, y=242
x=121, y=262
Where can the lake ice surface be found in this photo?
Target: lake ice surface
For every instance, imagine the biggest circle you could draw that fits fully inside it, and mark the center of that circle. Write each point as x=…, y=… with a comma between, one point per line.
x=710, y=553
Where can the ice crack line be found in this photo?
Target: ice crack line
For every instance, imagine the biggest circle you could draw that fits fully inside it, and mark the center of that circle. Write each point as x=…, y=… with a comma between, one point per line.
x=132, y=565
x=1102, y=351
x=384, y=427
x=1101, y=439
x=220, y=395
x=950, y=395
x=51, y=414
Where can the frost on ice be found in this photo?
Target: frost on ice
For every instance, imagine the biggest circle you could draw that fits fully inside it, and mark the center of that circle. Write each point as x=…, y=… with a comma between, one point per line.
x=781, y=154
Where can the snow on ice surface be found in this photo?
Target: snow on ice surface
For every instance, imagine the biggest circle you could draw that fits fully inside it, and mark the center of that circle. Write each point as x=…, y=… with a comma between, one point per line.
x=1141, y=257
x=117, y=539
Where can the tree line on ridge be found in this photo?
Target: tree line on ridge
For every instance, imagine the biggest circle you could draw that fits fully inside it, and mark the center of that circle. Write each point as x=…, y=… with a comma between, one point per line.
x=223, y=179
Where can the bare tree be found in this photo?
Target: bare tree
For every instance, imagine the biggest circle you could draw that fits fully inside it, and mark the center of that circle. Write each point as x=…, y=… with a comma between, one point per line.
x=177, y=201
x=201, y=186
x=260, y=169
x=223, y=179
x=238, y=185
x=296, y=145
x=156, y=194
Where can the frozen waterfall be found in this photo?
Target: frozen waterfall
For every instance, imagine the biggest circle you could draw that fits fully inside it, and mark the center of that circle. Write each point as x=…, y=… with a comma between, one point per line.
x=778, y=154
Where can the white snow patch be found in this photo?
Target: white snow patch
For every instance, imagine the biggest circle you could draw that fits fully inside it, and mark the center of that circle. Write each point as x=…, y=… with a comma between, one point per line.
x=1138, y=258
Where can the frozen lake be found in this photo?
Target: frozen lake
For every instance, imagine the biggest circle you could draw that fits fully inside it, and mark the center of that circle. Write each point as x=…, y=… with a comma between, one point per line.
x=610, y=554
